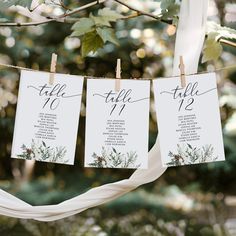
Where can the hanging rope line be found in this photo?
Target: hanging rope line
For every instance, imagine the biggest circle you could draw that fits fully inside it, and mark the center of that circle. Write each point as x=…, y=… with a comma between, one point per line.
x=202, y=72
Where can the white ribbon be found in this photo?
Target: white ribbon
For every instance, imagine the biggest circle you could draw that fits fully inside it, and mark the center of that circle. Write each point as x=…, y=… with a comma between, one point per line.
x=190, y=36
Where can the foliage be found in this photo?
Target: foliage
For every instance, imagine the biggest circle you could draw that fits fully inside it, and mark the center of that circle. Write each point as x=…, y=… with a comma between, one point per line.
x=169, y=9
x=4, y=4
x=96, y=30
x=114, y=159
x=41, y=152
x=212, y=48
x=187, y=155
x=221, y=31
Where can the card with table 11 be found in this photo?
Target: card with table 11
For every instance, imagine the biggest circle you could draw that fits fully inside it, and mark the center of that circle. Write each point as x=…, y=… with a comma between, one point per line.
x=117, y=124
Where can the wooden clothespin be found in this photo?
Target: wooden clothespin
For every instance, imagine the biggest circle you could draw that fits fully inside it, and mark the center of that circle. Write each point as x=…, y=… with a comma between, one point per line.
x=118, y=75
x=53, y=68
x=182, y=72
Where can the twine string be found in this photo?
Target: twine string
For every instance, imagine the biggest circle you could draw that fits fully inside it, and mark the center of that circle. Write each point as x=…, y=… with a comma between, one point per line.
x=202, y=72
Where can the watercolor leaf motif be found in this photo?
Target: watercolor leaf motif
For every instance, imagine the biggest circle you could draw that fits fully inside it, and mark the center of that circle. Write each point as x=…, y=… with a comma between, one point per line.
x=187, y=155
x=111, y=158
x=39, y=151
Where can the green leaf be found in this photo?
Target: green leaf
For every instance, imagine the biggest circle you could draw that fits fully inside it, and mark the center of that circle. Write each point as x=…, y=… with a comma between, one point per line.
x=24, y=3
x=173, y=10
x=189, y=146
x=220, y=31
x=114, y=150
x=100, y=20
x=3, y=20
x=91, y=42
x=82, y=26
x=165, y=4
x=169, y=9
x=212, y=48
x=170, y=12
x=175, y=21
x=4, y=4
x=105, y=16
x=107, y=34
x=109, y=14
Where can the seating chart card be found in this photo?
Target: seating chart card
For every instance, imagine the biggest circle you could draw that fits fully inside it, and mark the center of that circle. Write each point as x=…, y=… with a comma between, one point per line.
x=47, y=117
x=189, y=120
x=117, y=124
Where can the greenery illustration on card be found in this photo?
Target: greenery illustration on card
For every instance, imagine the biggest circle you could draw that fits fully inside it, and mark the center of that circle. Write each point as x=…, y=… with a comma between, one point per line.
x=185, y=154
x=111, y=158
x=41, y=152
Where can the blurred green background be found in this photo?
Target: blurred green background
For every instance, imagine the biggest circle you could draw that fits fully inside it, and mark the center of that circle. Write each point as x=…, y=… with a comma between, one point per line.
x=190, y=200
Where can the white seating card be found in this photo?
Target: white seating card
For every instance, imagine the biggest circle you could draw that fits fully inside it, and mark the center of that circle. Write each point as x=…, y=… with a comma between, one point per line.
x=117, y=124
x=189, y=120
x=47, y=117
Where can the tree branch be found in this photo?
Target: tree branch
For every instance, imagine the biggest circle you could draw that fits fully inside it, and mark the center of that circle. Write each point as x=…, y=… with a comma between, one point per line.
x=63, y=5
x=76, y=10
x=140, y=12
x=63, y=18
x=227, y=42
x=34, y=23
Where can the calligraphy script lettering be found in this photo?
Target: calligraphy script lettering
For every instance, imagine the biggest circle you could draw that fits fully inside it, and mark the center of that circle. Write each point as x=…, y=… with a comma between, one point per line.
x=52, y=94
x=118, y=100
x=186, y=95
